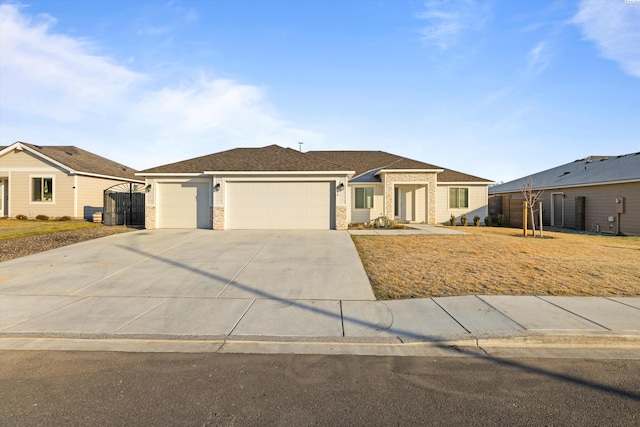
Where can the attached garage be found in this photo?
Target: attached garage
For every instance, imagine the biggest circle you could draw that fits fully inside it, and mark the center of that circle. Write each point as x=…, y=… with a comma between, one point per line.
x=183, y=205
x=280, y=205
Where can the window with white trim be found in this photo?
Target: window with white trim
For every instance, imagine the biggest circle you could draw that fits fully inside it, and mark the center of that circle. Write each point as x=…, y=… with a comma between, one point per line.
x=42, y=189
x=458, y=197
x=364, y=198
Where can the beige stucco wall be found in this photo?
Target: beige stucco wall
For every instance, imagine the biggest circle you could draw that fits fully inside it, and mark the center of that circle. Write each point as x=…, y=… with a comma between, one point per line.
x=478, y=203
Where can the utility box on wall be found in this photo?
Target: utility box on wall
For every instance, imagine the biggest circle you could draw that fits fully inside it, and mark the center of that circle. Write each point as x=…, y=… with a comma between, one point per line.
x=620, y=205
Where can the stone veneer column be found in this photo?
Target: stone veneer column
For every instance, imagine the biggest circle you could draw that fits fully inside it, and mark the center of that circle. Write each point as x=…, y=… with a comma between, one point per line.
x=218, y=217
x=341, y=218
x=150, y=217
x=389, y=179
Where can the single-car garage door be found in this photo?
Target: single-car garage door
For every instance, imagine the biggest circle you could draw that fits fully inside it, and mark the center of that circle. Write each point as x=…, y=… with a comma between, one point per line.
x=280, y=205
x=183, y=205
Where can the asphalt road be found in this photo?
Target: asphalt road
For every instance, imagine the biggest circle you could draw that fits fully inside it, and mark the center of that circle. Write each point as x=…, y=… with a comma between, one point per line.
x=117, y=389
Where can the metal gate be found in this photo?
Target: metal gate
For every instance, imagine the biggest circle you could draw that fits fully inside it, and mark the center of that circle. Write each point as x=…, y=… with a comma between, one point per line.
x=124, y=205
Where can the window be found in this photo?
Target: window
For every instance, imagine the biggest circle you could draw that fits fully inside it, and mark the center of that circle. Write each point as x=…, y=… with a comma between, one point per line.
x=458, y=198
x=364, y=198
x=42, y=189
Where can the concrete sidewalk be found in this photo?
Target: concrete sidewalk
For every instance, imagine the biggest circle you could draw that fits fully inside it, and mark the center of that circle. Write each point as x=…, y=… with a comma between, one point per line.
x=496, y=325
x=266, y=292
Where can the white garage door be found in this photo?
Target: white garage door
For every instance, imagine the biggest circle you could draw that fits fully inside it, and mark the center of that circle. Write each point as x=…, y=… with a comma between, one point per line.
x=183, y=205
x=279, y=205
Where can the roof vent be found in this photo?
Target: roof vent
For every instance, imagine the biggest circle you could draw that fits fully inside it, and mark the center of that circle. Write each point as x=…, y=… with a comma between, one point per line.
x=69, y=153
x=566, y=173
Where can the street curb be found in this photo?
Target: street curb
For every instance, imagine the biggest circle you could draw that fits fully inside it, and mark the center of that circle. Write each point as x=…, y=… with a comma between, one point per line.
x=600, y=346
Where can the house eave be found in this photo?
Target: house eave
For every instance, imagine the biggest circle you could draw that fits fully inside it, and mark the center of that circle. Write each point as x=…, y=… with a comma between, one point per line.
x=279, y=172
x=383, y=171
x=553, y=187
x=145, y=174
x=466, y=183
x=118, y=178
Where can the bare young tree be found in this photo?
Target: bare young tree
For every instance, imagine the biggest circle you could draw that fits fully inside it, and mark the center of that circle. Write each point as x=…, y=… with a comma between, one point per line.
x=531, y=196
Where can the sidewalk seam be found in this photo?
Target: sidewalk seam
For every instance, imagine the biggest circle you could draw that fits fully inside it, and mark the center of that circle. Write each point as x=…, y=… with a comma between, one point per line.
x=245, y=265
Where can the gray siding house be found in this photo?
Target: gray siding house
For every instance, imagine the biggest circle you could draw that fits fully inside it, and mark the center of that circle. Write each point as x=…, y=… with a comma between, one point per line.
x=597, y=193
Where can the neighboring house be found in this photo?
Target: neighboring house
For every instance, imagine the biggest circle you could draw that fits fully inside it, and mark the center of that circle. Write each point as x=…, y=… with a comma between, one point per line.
x=56, y=181
x=281, y=188
x=598, y=193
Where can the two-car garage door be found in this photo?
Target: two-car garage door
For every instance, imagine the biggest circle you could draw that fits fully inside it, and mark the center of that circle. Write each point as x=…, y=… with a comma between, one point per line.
x=280, y=205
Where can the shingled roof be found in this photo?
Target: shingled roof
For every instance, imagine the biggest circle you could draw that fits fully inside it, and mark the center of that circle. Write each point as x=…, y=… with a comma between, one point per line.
x=592, y=170
x=272, y=158
x=82, y=161
x=368, y=163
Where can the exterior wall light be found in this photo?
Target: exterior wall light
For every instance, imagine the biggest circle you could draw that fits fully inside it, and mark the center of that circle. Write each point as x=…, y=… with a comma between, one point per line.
x=216, y=187
x=340, y=187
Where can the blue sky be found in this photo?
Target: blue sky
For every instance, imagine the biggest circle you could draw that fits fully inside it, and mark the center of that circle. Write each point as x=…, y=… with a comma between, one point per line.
x=499, y=89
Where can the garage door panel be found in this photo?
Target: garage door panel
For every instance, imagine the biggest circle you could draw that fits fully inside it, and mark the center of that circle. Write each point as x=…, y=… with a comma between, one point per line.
x=279, y=205
x=183, y=205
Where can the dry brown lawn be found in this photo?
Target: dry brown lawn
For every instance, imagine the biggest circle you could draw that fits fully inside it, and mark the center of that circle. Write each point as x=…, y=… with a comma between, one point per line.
x=499, y=261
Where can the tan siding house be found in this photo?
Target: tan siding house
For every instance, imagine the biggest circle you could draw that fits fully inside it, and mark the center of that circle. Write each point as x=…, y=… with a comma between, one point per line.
x=597, y=193
x=56, y=181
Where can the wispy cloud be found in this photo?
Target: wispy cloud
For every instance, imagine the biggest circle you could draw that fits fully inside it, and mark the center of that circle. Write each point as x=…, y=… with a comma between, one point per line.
x=539, y=57
x=57, y=88
x=614, y=27
x=448, y=21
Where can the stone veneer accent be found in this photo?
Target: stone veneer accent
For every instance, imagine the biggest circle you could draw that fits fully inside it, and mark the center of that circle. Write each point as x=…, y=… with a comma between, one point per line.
x=341, y=218
x=149, y=217
x=389, y=179
x=218, y=217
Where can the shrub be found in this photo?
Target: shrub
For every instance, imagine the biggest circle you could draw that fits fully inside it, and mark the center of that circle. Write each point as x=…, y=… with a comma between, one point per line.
x=487, y=220
x=382, y=222
x=452, y=220
x=398, y=226
x=476, y=220
x=21, y=217
x=64, y=218
x=500, y=220
x=463, y=220
x=42, y=217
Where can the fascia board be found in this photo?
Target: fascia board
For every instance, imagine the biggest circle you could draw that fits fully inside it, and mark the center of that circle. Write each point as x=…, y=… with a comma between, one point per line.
x=383, y=171
x=279, y=172
x=119, y=178
x=465, y=183
x=553, y=187
x=167, y=174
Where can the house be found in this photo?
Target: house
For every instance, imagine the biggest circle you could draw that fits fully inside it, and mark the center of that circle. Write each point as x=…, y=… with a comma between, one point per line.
x=56, y=181
x=597, y=193
x=280, y=188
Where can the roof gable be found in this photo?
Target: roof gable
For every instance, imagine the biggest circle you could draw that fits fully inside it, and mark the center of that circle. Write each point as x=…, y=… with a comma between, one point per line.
x=79, y=161
x=272, y=158
x=592, y=170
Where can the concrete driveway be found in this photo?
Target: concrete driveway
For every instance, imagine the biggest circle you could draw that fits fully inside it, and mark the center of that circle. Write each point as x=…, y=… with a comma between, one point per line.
x=318, y=265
